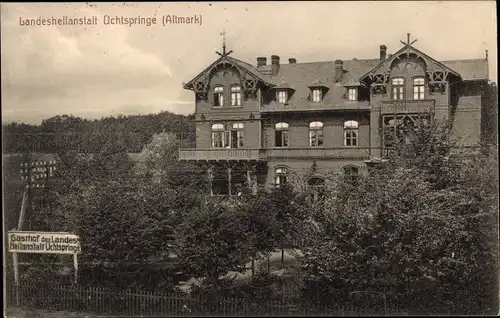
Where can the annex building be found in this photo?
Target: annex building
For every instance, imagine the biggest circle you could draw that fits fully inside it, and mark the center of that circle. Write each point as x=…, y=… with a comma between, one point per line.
x=259, y=124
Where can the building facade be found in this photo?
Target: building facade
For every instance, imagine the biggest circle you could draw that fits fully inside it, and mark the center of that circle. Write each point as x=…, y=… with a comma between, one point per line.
x=259, y=124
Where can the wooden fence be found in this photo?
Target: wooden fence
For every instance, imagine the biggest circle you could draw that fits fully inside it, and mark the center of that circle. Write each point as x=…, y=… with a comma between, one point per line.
x=101, y=301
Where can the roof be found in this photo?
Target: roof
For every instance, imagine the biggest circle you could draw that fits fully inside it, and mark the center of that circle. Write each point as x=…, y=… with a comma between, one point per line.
x=238, y=64
x=318, y=83
x=301, y=75
x=470, y=70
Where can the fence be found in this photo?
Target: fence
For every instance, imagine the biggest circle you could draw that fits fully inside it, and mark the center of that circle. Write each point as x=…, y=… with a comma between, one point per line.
x=148, y=303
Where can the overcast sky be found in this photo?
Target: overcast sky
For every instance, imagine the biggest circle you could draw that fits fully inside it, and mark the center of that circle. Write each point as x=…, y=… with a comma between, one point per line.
x=95, y=71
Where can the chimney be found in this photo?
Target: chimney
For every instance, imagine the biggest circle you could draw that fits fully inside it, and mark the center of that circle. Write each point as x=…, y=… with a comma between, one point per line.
x=275, y=65
x=383, y=52
x=261, y=61
x=339, y=69
x=292, y=60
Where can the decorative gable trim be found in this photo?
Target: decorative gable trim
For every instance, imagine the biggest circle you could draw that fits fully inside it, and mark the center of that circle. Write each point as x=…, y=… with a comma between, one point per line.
x=249, y=77
x=384, y=66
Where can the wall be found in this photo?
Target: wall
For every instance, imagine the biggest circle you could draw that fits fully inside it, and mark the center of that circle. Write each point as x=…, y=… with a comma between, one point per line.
x=466, y=123
x=333, y=129
x=206, y=114
x=323, y=167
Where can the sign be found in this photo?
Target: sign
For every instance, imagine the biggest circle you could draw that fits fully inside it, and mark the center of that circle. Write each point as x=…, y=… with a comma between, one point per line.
x=43, y=242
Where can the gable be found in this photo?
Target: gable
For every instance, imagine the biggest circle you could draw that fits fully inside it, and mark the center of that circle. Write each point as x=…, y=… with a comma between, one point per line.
x=407, y=53
x=249, y=75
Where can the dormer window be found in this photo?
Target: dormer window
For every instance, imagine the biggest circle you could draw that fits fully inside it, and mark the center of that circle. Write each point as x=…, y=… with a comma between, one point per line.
x=318, y=90
x=218, y=96
x=317, y=95
x=236, y=95
x=282, y=96
x=352, y=94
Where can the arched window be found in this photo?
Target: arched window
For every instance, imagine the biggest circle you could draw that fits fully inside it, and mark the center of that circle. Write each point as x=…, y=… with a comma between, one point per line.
x=218, y=96
x=398, y=88
x=351, y=133
x=236, y=95
x=281, y=135
x=418, y=88
x=316, y=134
x=281, y=175
x=218, y=136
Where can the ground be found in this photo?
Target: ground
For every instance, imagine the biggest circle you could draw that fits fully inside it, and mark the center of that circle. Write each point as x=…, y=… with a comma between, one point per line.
x=275, y=259
x=22, y=313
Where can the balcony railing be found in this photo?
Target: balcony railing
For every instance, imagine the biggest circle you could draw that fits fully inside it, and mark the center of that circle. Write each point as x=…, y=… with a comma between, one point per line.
x=410, y=106
x=315, y=107
x=318, y=152
x=219, y=154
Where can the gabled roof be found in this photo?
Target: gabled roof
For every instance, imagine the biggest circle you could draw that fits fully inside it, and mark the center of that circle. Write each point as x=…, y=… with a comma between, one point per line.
x=317, y=83
x=240, y=65
x=284, y=86
x=301, y=75
x=407, y=48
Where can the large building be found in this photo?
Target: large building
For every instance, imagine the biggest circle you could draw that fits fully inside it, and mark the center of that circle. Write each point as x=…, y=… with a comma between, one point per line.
x=260, y=124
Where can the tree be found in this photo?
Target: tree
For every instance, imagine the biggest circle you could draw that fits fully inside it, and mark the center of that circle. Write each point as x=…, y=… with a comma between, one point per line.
x=419, y=228
x=214, y=239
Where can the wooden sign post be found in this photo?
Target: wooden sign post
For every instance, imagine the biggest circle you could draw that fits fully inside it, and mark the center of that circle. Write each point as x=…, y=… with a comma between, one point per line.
x=42, y=243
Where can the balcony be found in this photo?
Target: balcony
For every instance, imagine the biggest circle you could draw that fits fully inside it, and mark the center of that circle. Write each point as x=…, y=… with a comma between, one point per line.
x=220, y=154
x=408, y=106
x=315, y=107
x=318, y=152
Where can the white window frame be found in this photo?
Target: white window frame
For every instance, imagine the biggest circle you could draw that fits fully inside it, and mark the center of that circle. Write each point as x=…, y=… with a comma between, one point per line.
x=222, y=138
x=218, y=96
x=398, y=88
x=317, y=95
x=236, y=95
x=282, y=96
x=218, y=136
x=316, y=134
x=351, y=133
x=352, y=94
x=419, y=88
x=281, y=175
x=281, y=134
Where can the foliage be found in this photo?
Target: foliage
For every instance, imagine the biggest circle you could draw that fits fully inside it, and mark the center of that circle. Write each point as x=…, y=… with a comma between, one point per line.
x=65, y=132
x=419, y=226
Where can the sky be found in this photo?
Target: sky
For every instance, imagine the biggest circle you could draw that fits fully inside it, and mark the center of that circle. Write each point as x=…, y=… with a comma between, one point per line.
x=92, y=71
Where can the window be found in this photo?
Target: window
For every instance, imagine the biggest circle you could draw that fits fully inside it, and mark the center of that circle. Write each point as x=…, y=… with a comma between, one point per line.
x=352, y=94
x=232, y=138
x=316, y=134
x=351, y=133
x=281, y=135
x=282, y=97
x=317, y=95
x=281, y=175
x=218, y=96
x=235, y=95
x=399, y=129
x=398, y=88
x=351, y=173
x=236, y=135
x=218, y=136
x=316, y=185
x=418, y=88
